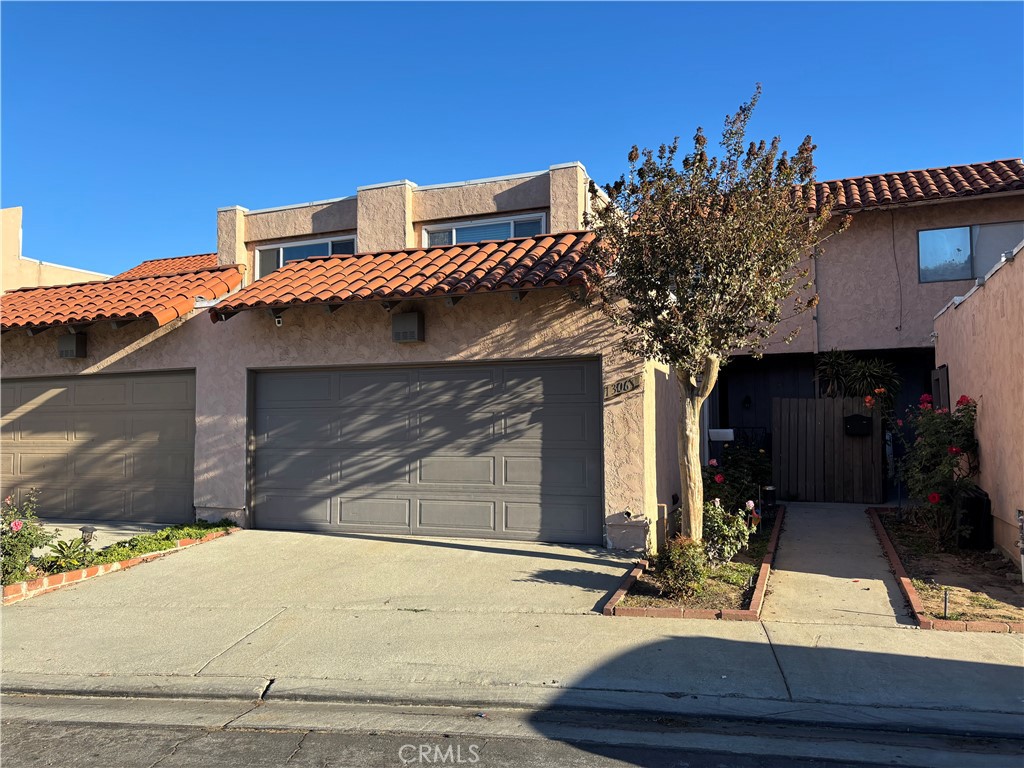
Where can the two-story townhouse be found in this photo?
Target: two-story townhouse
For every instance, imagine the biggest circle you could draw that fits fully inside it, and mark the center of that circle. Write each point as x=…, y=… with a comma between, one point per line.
x=404, y=360
x=916, y=240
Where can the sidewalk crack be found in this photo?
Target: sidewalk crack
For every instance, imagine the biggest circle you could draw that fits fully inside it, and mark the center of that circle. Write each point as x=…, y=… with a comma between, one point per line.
x=239, y=640
x=775, y=655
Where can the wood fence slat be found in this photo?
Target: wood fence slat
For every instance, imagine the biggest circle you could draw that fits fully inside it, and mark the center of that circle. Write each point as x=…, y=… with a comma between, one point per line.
x=794, y=442
x=777, y=456
x=819, y=449
x=840, y=454
x=828, y=457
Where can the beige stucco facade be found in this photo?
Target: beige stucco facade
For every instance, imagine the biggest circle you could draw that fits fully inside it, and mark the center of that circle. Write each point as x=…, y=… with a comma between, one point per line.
x=392, y=215
x=867, y=282
x=981, y=340
x=545, y=324
x=20, y=272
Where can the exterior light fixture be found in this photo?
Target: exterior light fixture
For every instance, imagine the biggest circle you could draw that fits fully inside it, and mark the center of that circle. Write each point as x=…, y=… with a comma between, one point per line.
x=88, y=532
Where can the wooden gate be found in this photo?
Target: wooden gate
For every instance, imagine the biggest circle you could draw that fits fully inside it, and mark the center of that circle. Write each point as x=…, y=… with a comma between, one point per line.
x=815, y=459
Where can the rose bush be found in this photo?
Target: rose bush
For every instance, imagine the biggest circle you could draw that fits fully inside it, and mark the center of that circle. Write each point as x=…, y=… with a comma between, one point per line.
x=20, y=533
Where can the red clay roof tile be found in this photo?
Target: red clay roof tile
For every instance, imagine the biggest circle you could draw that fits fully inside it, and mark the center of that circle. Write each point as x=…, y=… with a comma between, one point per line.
x=163, y=298
x=955, y=181
x=519, y=264
x=175, y=266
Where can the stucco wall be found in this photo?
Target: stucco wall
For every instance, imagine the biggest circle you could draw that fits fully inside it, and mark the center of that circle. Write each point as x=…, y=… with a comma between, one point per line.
x=980, y=340
x=863, y=273
x=546, y=324
x=19, y=272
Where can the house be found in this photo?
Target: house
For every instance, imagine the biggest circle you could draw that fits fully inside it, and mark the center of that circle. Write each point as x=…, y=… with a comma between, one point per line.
x=916, y=240
x=405, y=360
x=17, y=271
x=978, y=345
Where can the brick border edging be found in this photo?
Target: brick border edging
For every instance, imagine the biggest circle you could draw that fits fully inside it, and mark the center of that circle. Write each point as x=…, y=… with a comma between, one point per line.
x=23, y=590
x=922, y=620
x=753, y=613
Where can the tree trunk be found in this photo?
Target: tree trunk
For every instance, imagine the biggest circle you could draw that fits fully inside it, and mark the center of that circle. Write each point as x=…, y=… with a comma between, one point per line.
x=692, y=394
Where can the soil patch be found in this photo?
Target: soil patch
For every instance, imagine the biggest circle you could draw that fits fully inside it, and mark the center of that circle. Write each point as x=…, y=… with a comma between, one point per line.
x=728, y=586
x=981, y=586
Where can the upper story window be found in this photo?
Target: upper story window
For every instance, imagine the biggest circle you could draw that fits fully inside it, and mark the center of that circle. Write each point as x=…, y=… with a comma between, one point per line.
x=964, y=253
x=483, y=229
x=270, y=257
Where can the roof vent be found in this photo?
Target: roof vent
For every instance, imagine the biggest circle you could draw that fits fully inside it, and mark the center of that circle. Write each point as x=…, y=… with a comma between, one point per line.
x=406, y=327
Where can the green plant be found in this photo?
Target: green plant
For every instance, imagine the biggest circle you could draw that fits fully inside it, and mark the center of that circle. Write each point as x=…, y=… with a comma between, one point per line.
x=840, y=374
x=725, y=532
x=682, y=566
x=20, y=533
x=67, y=556
x=702, y=257
x=940, y=464
x=734, y=480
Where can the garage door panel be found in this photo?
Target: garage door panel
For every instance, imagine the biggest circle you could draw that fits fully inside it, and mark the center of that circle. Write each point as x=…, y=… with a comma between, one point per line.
x=164, y=465
x=291, y=390
x=371, y=388
x=294, y=429
x=96, y=448
x=105, y=393
x=507, y=451
x=294, y=511
x=108, y=464
x=100, y=427
x=159, y=428
x=168, y=393
x=562, y=518
x=444, y=514
x=42, y=427
x=7, y=464
x=391, y=513
x=457, y=470
x=160, y=505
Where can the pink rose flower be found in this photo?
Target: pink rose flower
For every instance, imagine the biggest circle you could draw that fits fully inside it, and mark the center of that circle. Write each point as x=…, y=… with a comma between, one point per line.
x=719, y=478
x=712, y=462
x=16, y=525
x=750, y=505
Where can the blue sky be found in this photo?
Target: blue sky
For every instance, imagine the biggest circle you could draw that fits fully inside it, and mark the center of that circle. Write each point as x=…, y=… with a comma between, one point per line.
x=125, y=126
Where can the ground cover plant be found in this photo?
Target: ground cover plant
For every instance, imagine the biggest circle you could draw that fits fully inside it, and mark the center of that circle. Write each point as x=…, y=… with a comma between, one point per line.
x=21, y=534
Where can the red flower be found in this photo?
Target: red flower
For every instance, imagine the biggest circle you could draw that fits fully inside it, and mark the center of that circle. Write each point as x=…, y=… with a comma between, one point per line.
x=954, y=450
x=926, y=406
x=926, y=398
x=962, y=401
x=934, y=498
x=880, y=391
x=869, y=401
x=719, y=478
x=899, y=422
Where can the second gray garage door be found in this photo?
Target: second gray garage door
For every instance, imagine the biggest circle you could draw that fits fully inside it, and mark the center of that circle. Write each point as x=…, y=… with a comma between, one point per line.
x=102, y=447
x=508, y=451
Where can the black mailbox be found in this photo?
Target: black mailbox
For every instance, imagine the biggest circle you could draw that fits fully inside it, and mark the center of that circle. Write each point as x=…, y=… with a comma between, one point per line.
x=857, y=426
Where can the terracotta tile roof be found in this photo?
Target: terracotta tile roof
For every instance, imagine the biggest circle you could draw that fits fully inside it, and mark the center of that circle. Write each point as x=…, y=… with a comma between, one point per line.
x=175, y=266
x=492, y=265
x=163, y=298
x=953, y=181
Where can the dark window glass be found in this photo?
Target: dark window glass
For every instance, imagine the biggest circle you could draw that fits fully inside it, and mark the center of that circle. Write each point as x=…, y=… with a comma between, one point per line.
x=268, y=260
x=527, y=228
x=343, y=247
x=296, y=252
x=443, y=237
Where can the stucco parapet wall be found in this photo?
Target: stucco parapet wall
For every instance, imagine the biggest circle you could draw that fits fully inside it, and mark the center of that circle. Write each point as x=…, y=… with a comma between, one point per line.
x=956, y=301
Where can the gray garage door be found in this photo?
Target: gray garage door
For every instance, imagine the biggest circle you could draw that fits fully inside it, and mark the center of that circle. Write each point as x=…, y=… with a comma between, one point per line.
x=102, y=447
x=496, y=451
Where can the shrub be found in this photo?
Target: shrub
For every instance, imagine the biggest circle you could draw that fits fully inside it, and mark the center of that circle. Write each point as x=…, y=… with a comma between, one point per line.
x=67, y=556
x=20, y=533
x=940, y=464
x=725, y=532
x=742, y=471
x=682, y=566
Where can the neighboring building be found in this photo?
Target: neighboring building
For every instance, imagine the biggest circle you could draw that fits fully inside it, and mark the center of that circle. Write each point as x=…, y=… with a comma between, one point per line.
x=979, y=345
x=917, y=239
x=432, y=384
x=20, y=272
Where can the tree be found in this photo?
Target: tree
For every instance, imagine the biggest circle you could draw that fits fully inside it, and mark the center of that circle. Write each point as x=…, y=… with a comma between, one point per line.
x=699, y=257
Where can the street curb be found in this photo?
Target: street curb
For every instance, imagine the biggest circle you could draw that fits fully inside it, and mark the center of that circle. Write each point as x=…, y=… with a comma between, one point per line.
x=753, y=613
x=23, y=590
x=323, y=692
x=910, y=593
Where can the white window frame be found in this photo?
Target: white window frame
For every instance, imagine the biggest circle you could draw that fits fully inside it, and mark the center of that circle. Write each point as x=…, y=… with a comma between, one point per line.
x=289, y=243
x=451, y=226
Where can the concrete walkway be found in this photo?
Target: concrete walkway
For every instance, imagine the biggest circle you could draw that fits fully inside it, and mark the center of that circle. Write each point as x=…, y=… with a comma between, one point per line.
x=830, y=569
x=287, y=617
